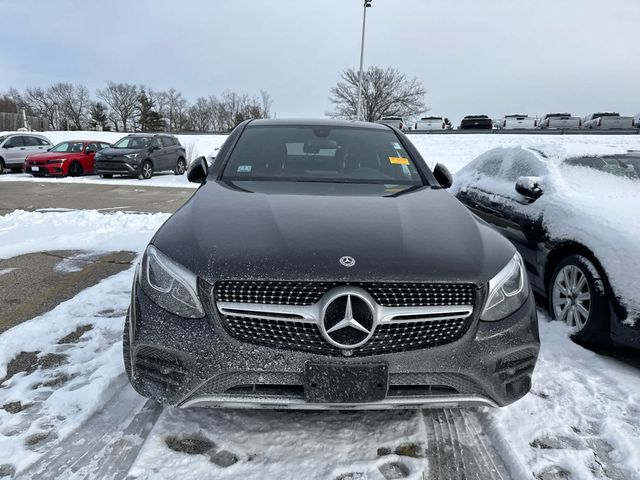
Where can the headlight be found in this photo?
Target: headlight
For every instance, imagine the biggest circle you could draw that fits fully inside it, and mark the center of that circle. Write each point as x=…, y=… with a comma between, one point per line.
x=508, y=290
x=57, y=160
x=132, y=155
x=170, y=285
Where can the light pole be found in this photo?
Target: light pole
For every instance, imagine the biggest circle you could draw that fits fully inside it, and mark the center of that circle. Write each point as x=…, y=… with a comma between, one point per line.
x=367, y=4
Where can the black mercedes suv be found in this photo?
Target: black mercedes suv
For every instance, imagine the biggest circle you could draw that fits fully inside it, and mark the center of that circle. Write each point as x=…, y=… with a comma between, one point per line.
x=140, y=155
x=322, y=264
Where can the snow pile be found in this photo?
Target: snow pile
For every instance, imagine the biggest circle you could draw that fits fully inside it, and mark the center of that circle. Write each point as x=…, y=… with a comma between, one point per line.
x=595, y=208
x=73, y=379
x=27, y=232
x=580, y=420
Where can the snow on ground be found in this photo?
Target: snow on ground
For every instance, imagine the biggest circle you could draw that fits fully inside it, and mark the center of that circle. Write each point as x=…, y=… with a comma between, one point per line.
x=580, y=421
x=453, y=150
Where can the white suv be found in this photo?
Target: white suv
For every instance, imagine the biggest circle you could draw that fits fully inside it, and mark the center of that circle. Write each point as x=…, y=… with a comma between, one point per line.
x=15, y=147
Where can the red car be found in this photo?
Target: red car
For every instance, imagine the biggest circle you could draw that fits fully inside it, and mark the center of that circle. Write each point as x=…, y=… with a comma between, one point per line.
x=73, y=158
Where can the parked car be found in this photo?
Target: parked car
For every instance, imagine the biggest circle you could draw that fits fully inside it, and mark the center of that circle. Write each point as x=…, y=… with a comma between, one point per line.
x=607, y=121
x=560, y=121
x=397, y=122
x=73, y=158
x=570, y=219
x=297, y=276
x=15, y=147
x=476, y=122
x=430, y=123
x=518, y=122
x=141, y=155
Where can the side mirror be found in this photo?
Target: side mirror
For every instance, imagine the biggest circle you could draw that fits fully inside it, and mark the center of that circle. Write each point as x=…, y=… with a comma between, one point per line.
x=529, y=187
x=49, y=149
x=443, y=176
x=198, y=170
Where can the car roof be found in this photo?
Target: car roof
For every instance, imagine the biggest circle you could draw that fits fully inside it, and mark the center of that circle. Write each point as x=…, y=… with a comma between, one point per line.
x=306, y=122
x=149, y=134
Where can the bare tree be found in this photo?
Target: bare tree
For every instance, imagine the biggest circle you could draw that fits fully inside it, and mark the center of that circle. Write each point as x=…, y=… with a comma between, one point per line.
x=73, y=102
x=384, y=93
x=201, y=115
x=44, y=105
x=175, y=109
x=123, y=100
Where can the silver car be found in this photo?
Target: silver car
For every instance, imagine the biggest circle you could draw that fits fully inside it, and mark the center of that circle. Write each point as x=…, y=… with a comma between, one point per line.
x=15, y=147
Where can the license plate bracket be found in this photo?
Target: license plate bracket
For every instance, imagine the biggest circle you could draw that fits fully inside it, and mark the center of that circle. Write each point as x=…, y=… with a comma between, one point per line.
x=35, y=169
x=334, y=383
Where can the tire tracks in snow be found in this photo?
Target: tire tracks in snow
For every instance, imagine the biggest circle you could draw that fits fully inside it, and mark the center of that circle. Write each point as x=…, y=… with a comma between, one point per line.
x=106, y=445
x=459, y=447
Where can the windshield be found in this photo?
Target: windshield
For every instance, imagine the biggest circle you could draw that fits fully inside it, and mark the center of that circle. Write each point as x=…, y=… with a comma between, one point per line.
x=321, y=154
x=133, y=142
x=628, y=167
x=68, y=147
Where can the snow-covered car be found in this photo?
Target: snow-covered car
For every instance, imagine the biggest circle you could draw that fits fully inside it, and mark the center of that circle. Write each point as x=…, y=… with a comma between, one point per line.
x=573, y=217
x=560, y=120
x=518, y=122
x=430, y=123
x=607, y=121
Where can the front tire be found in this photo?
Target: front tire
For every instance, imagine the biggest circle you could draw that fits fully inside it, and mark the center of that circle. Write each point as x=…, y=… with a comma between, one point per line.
x=126, y=349
x=578, y=297
x=1, y=166
x=181, y=167
x=146, y=171
x=75, y=169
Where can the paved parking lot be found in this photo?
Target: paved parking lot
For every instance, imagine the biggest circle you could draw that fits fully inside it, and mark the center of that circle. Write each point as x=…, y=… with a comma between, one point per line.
x=34, y=195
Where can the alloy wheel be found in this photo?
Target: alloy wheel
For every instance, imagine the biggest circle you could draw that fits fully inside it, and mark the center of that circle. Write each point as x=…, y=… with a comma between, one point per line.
x=571, y=297
x=147, y=170
x=180, y=167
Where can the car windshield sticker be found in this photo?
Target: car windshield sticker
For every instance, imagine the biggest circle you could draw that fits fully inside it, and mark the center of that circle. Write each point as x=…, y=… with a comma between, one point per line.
x=399, y=160
x=397, y=146
x=244, y=168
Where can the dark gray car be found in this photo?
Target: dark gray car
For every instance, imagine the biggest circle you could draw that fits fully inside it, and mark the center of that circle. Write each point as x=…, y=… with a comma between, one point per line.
x=141, y=155
x=322, y=264
x=14, y=149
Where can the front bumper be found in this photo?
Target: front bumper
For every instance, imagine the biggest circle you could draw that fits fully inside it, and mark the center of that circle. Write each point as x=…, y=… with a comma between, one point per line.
x=195, y=362
x=48, y=169
x=115, y=167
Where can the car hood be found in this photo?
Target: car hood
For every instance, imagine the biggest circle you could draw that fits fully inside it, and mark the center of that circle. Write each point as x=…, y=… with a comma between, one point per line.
x=299, y=231
x=118, y=152
x=53, y=155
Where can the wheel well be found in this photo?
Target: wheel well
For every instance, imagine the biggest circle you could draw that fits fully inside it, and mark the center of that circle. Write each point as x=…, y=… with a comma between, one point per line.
x=562, y=251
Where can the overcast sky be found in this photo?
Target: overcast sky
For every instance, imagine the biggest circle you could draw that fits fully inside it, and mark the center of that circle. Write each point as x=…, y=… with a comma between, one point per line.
x=473, y=56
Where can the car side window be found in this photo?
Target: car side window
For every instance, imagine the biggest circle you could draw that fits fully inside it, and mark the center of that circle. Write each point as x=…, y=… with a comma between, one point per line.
x=103, y=146
x=14, y=142
x=156, y=142
x=92, y=146
x=42, y=141
x=167, y=141
x=491, y=167
x=31, y=141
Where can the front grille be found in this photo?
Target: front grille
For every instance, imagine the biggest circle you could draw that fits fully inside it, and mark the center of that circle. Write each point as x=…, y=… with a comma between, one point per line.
x=286, y=331
x=306, y=337
x=308, y=293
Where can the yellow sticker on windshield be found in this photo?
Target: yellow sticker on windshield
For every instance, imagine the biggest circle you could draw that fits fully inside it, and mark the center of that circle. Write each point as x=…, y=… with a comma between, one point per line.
x=399, y=160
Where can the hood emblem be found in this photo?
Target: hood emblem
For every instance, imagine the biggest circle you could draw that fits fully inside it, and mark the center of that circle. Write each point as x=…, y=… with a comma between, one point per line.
x=347, y=261
x=348, y=321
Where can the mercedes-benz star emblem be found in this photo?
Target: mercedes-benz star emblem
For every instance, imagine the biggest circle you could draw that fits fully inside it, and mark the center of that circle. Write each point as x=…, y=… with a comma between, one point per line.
x=348, y=321
x=347, y=261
